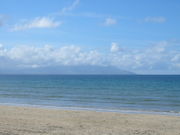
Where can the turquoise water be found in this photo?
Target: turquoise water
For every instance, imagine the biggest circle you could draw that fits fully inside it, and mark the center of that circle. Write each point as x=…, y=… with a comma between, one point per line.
x=110, y=92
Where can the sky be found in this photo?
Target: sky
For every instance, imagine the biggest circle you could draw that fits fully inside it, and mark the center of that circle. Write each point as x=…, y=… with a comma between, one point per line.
x=134, y=35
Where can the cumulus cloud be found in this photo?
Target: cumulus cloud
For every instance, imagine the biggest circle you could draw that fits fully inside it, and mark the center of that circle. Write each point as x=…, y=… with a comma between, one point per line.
x=110, y=21
x=115, y=47
x=49, y=56
x=157, y=57
x=2, y=50
x=176, y=60
x=39, y=22
x=155, y=19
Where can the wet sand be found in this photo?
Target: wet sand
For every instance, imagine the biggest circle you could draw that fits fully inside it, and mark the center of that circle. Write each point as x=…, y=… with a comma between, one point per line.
x=41, y=121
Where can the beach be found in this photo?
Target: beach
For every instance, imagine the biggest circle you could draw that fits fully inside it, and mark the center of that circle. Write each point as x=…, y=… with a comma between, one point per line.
x=16, y=120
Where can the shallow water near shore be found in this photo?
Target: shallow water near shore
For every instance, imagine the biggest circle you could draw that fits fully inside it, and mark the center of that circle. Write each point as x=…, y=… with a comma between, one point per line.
x=128, y=93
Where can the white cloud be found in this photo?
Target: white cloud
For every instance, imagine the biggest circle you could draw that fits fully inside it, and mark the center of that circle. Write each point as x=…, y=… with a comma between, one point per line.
x=110, y=21
x=176, y=60
x=39, y=22
x=71, y=7
x=2, y=50
x=157, y=57
x=155, y=19
x=50, y=56
x=1, y=46
x=115, y=47
x=44, y=22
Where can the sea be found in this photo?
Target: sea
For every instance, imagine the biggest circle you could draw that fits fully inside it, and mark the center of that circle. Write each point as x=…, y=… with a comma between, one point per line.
x=114, y=93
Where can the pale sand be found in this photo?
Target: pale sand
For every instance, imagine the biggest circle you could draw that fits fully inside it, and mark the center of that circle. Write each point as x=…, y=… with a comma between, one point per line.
x=39, y=121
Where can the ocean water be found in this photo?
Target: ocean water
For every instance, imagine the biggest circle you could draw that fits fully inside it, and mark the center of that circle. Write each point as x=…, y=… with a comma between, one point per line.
x=151, y=93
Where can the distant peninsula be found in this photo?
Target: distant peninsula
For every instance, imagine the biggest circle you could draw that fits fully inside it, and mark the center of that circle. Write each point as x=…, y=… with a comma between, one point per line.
x=69, y=70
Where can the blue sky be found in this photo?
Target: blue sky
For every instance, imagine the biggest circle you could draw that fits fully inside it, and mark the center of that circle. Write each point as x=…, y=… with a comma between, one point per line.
x=139, y=36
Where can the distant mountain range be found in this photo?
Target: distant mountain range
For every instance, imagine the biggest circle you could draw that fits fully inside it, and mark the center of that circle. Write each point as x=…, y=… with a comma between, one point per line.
x=74, y=70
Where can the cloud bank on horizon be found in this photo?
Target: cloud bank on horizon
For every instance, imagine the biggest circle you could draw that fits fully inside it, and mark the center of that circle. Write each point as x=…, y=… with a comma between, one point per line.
x=155, y=57
x=77, y=34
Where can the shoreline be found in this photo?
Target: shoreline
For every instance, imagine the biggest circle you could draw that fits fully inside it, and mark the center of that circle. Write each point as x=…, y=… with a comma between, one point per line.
x=122, y=111
x=18, y=120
